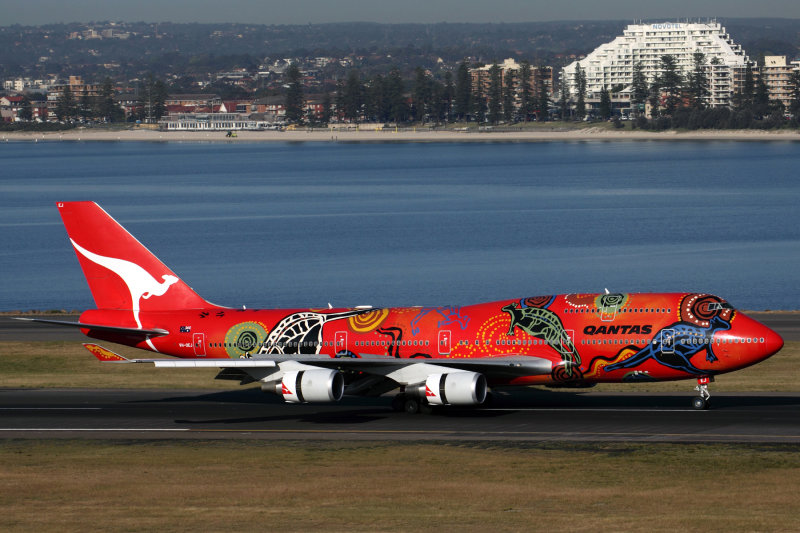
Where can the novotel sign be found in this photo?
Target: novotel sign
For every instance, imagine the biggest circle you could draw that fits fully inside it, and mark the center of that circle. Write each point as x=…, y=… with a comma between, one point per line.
x=668, y=26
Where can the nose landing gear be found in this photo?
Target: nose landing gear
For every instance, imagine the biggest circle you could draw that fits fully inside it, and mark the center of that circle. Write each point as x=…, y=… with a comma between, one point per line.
x=701, y=402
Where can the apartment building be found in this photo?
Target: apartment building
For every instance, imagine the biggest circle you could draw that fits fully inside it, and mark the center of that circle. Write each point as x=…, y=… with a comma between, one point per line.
x=777, y=76
x=481, y=78
x=611, y=65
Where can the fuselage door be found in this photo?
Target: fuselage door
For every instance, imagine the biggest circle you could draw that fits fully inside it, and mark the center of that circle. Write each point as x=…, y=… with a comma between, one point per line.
x=199, y=341
x=444, y=342
x=568, y=341
x=340, y=342
x=667, y=340
x=607, y=314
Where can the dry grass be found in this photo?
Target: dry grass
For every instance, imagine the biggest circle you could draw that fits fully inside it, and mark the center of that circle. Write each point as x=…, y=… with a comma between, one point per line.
x=222, y=486
x=68, y=364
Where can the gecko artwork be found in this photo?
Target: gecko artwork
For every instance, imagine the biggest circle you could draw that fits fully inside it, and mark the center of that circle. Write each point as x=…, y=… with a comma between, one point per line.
x=446, y=355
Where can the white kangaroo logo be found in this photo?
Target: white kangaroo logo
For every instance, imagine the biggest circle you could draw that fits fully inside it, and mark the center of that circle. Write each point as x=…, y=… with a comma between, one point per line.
x=140, y=283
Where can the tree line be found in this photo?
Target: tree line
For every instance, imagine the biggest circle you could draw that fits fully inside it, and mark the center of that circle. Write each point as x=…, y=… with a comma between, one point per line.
x=150, y=106
x=425, y=99
x=675, y=100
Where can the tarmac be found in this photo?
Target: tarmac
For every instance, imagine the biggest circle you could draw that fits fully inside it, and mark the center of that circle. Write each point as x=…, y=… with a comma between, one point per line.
x=527, y=415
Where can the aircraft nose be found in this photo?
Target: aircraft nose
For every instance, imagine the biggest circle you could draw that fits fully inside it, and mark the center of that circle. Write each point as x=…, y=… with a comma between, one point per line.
x=773, y=342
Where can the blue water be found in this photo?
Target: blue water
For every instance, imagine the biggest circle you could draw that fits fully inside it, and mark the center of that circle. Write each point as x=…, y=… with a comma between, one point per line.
x=304, y=224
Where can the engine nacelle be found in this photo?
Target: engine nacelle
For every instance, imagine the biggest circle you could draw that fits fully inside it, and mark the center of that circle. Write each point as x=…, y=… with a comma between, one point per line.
x=300, y=386
x=455, y=388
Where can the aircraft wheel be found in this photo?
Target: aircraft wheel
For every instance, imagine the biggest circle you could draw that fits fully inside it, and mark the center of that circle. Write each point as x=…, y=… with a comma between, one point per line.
x=398, y=403
x=411, y=406
x=699, y=403
x=489, y=401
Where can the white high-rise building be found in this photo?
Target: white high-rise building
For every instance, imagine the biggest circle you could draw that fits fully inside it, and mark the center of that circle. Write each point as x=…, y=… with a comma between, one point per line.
x=611, y=64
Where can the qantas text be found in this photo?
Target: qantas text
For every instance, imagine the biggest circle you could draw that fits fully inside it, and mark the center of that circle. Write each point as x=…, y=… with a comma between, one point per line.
x=622, y=330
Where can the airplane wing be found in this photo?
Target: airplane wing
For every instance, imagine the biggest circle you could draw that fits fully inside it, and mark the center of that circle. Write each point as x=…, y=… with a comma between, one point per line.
x=300, y=378
x=115, y=329
x=391, y=367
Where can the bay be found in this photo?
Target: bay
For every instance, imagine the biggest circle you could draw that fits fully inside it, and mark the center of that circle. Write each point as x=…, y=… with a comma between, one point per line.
x=304, y=224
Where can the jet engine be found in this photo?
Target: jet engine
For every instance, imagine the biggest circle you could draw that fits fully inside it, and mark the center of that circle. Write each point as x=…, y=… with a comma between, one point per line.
x=454, y=388
x=301, y=386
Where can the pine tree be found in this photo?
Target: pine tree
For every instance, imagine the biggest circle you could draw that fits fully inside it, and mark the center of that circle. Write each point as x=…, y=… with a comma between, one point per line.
x=638, y=88
x=376, y=107
x=353, y=98
x=325, y=116
x=84, y=107
x=697, y=81
x=670, y=81
x=106, y=107
x=542, y=97
x=395, y=90
x=438, y=106
x=160, y=95
x=448, y=95
x=508, y=95
x=605, y=104
x=761, y=99
x=422, y=95
x=580, y=87
x=495, y=93
x=339, y=101
x=744, y=99
x=26, y=109
x=65, y=105
x=295, y=101
x=463, y=92
x=794, y=83
x=525, y=91
x=563, y=98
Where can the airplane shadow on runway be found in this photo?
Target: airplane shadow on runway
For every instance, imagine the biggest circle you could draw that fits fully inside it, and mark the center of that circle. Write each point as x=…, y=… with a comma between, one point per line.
x=503, y=403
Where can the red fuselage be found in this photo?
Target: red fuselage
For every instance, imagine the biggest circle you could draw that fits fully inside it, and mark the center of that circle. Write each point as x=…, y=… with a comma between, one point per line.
x=588, y=337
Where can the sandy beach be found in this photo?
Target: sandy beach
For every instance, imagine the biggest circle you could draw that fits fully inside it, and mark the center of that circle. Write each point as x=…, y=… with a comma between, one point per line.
x=408, y=135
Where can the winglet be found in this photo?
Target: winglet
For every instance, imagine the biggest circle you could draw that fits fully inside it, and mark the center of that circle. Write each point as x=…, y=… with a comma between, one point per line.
x=105, y=355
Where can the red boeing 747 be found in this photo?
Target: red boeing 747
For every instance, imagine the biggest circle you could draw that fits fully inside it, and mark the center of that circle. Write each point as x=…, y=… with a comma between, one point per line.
x=433, y=355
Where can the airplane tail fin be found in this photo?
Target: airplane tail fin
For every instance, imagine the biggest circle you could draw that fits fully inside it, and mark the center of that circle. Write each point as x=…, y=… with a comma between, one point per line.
x=121, y=272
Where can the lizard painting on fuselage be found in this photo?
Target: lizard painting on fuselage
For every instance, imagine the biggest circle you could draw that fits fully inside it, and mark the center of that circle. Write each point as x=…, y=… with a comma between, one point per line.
x=544, y=324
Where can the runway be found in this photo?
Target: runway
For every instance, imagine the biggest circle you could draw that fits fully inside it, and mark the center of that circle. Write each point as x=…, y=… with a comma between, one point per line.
x=528, y=415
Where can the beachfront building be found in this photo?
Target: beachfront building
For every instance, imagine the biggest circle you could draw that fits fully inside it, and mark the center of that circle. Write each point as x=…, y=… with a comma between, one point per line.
x=217, y=122
x=540, y=76
x=77, y=87
x=611, y=65
x=777, y=76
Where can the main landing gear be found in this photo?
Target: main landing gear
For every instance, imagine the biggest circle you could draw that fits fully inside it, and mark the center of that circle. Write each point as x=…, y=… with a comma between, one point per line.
x=701, y=402
x=404, y=403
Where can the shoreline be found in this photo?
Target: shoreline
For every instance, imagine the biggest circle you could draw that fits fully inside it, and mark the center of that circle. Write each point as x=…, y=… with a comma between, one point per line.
x=389, y=135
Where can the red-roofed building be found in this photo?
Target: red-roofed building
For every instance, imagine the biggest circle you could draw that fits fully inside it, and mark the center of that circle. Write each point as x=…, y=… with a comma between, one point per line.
x=10, y=107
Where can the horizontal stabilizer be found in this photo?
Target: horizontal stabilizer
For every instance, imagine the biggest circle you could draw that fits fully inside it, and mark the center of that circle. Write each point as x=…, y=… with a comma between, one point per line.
x=157, y=332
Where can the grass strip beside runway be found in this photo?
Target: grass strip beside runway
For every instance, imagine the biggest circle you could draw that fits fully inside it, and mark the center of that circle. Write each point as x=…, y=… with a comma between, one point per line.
x=68, y=364
x=79, y=485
